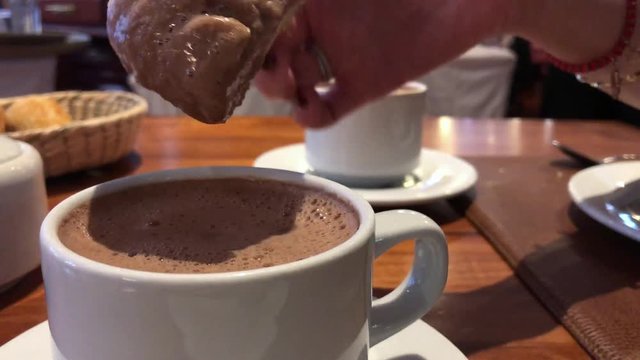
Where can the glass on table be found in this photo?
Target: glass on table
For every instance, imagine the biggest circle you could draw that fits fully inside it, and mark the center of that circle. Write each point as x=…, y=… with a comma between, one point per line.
x=25, y=16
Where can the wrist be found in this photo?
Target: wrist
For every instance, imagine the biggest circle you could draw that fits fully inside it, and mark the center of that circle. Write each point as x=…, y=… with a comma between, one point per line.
x=573, y=32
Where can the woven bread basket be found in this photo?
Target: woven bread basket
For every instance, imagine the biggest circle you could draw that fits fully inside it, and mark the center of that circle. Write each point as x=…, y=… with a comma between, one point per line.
x=103, y=130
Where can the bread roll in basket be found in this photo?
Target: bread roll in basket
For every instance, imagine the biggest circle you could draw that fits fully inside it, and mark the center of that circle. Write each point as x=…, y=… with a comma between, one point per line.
x=103, y=129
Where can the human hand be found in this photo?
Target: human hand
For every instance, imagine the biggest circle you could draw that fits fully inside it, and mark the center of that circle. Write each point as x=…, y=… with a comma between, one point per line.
x=372, y=46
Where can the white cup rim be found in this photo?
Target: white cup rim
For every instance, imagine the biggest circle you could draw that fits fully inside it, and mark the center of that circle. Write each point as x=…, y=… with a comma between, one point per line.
x=51, y=243
x=419, y=89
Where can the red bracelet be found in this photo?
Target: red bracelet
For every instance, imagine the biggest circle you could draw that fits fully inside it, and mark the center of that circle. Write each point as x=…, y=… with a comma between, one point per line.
x=618, y=49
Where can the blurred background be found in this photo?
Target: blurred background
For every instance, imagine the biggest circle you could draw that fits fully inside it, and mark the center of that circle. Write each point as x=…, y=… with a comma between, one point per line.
x=501, y=77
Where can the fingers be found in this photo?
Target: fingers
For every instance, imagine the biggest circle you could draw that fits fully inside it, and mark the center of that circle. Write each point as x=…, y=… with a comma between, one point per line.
x=312, y=111
x=276, y=79
x=305, y=67
x=320, y=110
x=291, y=71
x=292, y=75
x=285, y=69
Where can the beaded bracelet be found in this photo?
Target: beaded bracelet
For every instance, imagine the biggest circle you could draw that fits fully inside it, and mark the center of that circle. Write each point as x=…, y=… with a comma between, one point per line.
x=605, y=60
x=622, y=73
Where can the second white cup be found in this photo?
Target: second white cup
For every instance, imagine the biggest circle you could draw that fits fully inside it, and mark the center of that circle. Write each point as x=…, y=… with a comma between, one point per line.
x=375, y=146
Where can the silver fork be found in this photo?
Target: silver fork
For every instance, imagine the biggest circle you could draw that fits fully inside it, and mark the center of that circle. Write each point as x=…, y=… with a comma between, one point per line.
x=589, y=161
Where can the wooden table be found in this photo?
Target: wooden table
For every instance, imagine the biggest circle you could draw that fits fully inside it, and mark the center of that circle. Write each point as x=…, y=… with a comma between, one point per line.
x=486, y=311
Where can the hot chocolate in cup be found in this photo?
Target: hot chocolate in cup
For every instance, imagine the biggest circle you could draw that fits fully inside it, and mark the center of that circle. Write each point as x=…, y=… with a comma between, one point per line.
x=208, y=225
x=229, y=263
x=377, y=145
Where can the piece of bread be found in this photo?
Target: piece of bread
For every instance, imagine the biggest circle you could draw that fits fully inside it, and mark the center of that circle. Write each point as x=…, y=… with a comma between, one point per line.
x=3, y=120
x=199, y=55
x=35, y=112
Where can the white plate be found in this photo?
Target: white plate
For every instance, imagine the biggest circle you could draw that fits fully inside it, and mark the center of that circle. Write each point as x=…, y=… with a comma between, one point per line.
x=418, y=341
x=440, y=176
x=607, y=192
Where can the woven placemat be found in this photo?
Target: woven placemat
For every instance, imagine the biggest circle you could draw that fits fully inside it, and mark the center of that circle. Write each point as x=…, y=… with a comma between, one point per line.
x=587, y=275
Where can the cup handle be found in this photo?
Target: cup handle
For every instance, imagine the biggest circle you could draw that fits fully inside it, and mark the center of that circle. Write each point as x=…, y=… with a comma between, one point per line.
x=424, y=284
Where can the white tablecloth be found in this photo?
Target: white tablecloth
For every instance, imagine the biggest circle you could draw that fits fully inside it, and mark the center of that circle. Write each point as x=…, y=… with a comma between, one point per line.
x=476, y=84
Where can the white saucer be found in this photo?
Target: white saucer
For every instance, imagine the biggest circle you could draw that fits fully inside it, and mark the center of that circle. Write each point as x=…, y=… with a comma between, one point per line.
x=607, y=193
x=418, y=341
x=440, y=176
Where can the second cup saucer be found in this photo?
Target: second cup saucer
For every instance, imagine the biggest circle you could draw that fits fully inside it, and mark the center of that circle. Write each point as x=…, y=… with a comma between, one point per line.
x=438, y=177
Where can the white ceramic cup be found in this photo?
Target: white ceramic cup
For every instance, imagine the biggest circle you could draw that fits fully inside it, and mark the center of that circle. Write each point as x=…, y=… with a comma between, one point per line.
x=23, y=206
x=376, y=145
x=314, y=309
